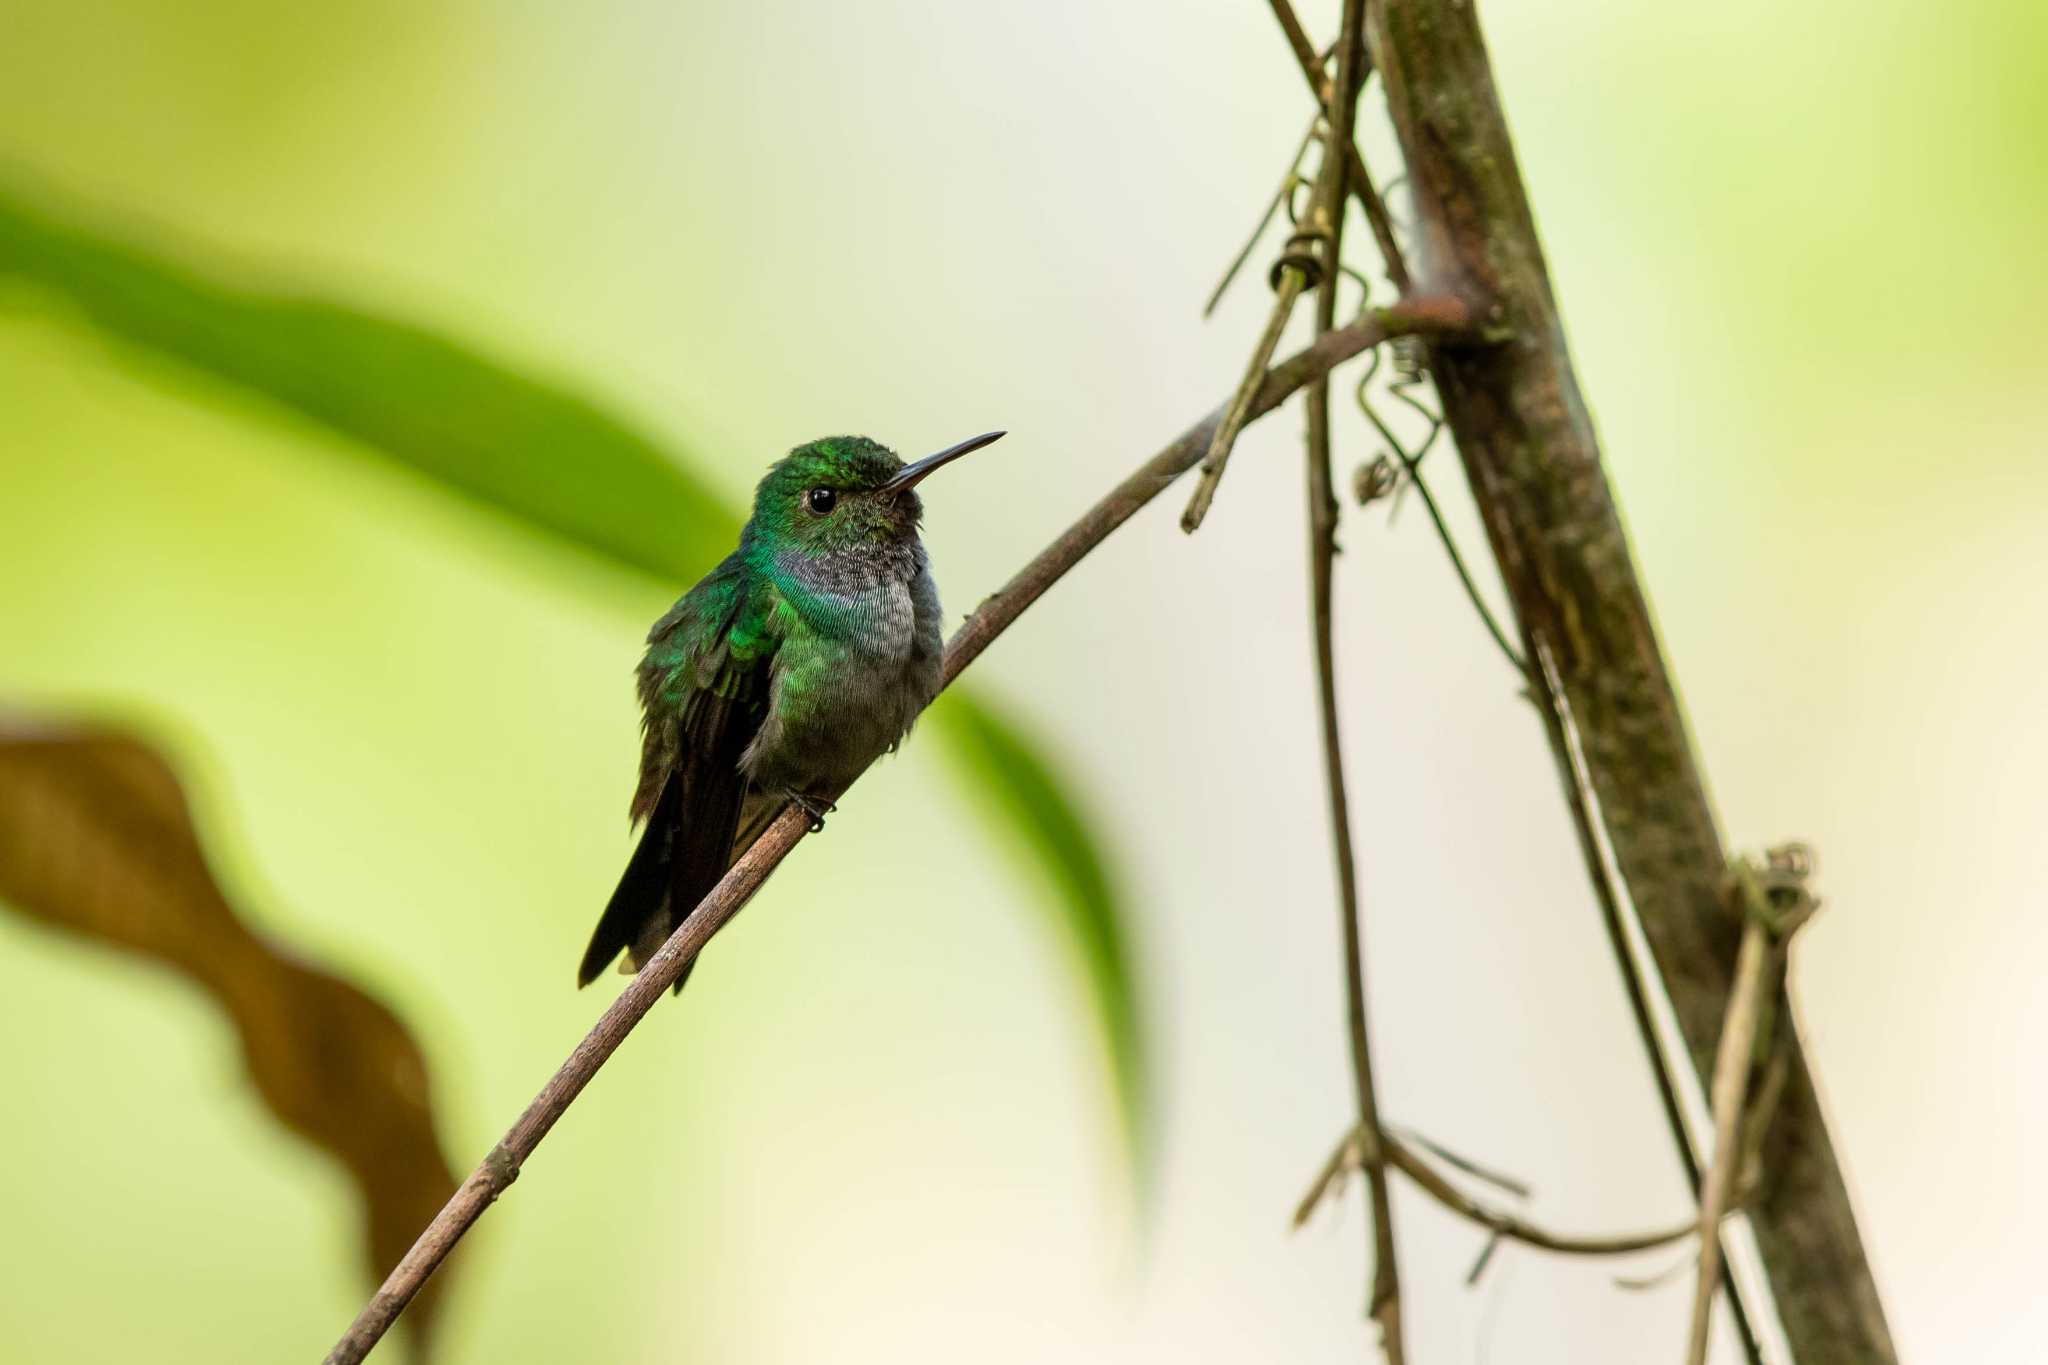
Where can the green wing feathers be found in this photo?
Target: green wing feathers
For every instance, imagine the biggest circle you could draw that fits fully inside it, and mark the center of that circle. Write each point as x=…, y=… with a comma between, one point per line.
x=703, y=691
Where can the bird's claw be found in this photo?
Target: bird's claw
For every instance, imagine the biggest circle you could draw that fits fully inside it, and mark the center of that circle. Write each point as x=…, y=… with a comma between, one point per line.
x=814, y=807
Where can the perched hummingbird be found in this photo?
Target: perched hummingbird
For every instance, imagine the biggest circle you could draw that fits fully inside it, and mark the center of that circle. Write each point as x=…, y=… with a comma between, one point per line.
x=784, y=672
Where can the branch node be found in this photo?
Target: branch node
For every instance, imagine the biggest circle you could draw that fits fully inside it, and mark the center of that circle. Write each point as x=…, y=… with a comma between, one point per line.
x=1775, y=895
x=1349, y=1156
x=499, y=1168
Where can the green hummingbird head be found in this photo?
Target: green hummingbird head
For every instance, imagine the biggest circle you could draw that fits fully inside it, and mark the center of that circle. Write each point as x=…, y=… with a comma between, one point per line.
x=846, y=492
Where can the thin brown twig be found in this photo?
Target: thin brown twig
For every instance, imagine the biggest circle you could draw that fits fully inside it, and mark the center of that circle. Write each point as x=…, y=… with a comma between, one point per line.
x=1343, y=1160
x=1740, y=1118
x=1358, y=177
x=1610, y=892
x=1507, y=1184
x=1345, y=167
x=1498, y=1222
x=1384, y=1294
x=1293, y=279
x=1656, y=1279
x=1562, y=732
x=501, y=1167
x=1304, y=51
x=1273, y=205
x=1731, y=1075
x=1757, y=1110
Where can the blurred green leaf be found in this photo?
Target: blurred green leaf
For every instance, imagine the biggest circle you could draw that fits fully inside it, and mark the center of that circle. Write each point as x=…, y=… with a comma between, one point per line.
x=1006, y=765
x=96, y=838
x=554, y=462
x=523, y=446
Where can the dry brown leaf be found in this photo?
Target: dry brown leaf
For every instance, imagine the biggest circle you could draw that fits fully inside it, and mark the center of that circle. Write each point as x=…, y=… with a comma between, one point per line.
x=96, y=837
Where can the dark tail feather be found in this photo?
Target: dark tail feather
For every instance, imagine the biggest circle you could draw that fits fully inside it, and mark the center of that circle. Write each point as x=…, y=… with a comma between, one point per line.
x=699, y=855
x=685, y=852
x=695, y=867
x=642, y=895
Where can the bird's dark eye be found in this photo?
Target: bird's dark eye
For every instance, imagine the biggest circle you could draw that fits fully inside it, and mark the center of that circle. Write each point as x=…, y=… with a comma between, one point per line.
x=821, y=500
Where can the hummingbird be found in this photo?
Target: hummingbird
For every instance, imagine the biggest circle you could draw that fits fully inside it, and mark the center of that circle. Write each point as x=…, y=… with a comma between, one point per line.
x=785, y=671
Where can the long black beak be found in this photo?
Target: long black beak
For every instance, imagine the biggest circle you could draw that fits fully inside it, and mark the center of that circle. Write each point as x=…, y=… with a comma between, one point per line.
x=913, y=474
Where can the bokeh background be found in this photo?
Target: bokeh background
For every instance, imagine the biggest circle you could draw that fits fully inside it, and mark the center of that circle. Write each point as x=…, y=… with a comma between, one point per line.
x=1798, y=253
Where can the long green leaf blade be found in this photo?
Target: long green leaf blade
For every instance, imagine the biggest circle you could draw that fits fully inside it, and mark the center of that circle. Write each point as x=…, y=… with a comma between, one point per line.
x=528, y=448
x=1007, y=766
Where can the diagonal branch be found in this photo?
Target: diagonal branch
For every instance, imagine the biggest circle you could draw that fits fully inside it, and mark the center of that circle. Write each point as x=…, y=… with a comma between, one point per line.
x=995, y=615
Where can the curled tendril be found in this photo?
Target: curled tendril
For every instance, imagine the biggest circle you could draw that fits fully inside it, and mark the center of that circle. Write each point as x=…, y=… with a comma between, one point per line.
x=1394, y=470
x=1399, y=182
x=1411, y=369
x=1296, y=183
x=1364, y=286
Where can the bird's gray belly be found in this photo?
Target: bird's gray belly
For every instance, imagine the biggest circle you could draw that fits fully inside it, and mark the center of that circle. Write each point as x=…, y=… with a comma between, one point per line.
x=837, y=704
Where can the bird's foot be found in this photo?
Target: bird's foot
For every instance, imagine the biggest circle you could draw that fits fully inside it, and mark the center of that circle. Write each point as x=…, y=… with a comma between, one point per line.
x=814, y=806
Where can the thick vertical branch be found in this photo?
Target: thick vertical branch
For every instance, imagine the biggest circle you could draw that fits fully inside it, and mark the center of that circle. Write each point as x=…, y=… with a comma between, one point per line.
x=1529, y=451
x=1385, y=1292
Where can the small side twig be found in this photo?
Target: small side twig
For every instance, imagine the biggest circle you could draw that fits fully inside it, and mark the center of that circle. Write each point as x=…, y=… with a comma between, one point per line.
x=1343, y=1160
x=1273, y=207
x=1731, y=1072
x=994, y=616
x=1304, y=50
x=1358, y=178
x=1295, y=274
x=1499, y=1223
x=1507, y=1184
x=1774, y=902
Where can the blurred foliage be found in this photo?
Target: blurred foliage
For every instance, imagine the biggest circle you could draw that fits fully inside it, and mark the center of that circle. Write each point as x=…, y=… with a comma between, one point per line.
x=96, y=837
x=996, y=753
x=525, y=447
x=553, y=463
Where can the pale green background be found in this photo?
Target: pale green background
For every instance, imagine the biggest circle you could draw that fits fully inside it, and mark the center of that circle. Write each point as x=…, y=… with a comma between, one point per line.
x=1798, y=254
